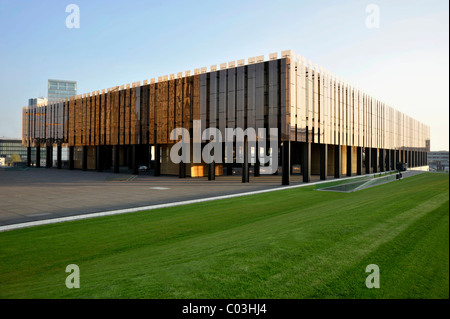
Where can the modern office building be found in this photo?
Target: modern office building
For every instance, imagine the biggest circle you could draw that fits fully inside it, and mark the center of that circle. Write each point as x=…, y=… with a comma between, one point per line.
x=37, y=101
x=438, y=161
x=10, y=146
x=60, y=89
x=324, y=125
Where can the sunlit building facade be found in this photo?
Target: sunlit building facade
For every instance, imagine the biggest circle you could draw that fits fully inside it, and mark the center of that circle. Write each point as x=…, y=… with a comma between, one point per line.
x=325, y=125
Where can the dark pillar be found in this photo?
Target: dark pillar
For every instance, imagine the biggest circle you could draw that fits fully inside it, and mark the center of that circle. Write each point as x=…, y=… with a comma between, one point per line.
x=157, y=168
x=359, y=160
x=59, y=156
x=99, y=158
x=306, y=162
x=38, y=156
x=387, y=161
x=229, y=168
x=48, y=156
x=71, y=157
x=349, y=160
x=245, y=175
x=28, y=156
x=134, y=157
x=368, y=159
x=182, y=170
x=256, y=170
x=211, y=171
x=116, y=159
x=375, y=159
x=337, y=161
x=130, y=156
x=382, y=160
x=286, y=163
x=323, y=161
x=85, y=156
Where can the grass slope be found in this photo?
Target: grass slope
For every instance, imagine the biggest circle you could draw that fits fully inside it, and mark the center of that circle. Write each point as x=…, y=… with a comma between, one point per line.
x=297, y=243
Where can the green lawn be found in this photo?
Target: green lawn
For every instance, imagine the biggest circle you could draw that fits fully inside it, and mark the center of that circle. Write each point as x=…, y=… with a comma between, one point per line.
x=297, y=243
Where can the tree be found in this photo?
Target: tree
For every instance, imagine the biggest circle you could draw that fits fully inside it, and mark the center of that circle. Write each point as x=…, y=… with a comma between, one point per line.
x=15, y=158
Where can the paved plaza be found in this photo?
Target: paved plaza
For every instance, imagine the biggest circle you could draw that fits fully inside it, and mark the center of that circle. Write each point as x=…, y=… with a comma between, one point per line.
x=40, y=193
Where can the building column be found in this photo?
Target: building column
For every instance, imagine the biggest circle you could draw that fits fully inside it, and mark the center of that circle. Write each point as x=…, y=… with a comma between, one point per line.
x=359, y=158
x=349, y=160
x=28, y=156
x=323, y=161
x=337, y=161
x=134, y=157
x=71, y=157
x=368, y=159
x=130, y=156
x=116, y=164
x=382, y=160
x=245, y=174
x=375, y=160
x=59, y=156
x=85, y=157
x=286, y=162
x=306, y=162
x=256, y=166
x=38, y=156
x=212, y=171
x=182, y=170
x=99, y=158
x=387, y=160
x=157, y=168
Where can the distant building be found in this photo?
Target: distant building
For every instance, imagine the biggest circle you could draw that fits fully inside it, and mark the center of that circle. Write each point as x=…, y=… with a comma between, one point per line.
x=2, y=161
x=60, y=89
x=438, y=160
x=37, y=101
x=10, y=146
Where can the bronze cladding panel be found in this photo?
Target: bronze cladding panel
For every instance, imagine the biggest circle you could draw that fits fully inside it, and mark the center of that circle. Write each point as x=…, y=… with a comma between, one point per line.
x=171, y=113
x=240, y=97
x=273, y=94
x=133, y=116
x=108, y=118
x=179, y=103
x=78, y=120
x=161, y=112
x=187, y=103
x=97, y=118
x=115, y=117
x=203, y=98
x=222, y=101
x=127, y=114
x=102, y=117
x=88, y=120
x=231, y=99
x=285, y=103
x=251, y=90
x=122, y=117
x=93, y=119
x=196, y=98
x=260, y=95
x=152, y=105
x=144, y=113
x=213, y=98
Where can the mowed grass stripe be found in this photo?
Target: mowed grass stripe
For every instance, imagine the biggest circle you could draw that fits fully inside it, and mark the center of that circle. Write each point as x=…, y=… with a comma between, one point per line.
x=289, y=244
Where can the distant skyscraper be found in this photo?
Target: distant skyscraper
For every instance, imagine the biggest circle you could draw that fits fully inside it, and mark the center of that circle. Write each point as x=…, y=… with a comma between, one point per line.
x=37, y=101
x=58, y=89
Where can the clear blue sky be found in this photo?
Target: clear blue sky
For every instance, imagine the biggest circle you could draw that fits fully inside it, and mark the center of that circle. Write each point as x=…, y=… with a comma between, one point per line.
x=405, y=62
